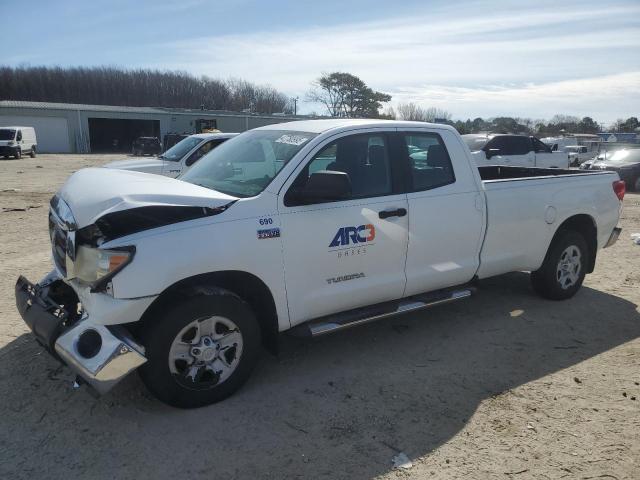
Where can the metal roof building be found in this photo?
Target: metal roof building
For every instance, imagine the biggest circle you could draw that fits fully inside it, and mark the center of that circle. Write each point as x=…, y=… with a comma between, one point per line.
x=77, y=128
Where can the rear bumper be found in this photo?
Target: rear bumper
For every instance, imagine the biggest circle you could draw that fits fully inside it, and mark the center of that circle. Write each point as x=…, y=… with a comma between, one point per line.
x=614, y=237
x=101, y=355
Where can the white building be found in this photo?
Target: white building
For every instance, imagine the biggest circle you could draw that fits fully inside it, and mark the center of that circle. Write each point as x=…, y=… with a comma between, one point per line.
x=75, y=128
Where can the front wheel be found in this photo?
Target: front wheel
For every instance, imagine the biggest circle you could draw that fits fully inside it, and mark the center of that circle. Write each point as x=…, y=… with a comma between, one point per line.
x=18, y=154
x=564, y=268
x=201, y=350
x=33, y=152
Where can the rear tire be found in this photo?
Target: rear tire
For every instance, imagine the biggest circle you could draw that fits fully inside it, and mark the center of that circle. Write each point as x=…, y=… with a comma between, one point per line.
x=200, y=350
x=564, y=267
x=33, y=152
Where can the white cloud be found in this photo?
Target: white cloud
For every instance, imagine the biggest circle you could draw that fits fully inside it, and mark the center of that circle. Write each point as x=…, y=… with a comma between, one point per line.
x=585, y=96
x=559, y=53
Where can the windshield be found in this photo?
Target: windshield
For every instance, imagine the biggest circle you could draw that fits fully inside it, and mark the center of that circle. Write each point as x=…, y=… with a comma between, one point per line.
x=180, y=149
x=624, y=156
x=6, y=134
x=244, y=165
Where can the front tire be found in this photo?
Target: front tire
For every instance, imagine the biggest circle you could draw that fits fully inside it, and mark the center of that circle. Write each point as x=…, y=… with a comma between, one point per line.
x=200, y=350
x=33, y=152
x=18, y=154
x=564, y=268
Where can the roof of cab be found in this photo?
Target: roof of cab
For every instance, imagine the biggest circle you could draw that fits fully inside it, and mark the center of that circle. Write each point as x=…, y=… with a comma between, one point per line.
x=321, y=126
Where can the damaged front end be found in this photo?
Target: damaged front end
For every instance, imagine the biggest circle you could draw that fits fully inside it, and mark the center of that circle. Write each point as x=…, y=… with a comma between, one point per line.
x=72, y=311
x=100, y=355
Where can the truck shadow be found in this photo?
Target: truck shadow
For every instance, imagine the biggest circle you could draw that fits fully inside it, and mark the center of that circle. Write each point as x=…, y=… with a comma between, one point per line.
x=339, y=407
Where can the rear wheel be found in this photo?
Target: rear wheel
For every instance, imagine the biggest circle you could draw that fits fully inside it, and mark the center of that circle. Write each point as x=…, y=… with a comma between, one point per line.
x=33, y=152
x=201, y=350
x=564, y=268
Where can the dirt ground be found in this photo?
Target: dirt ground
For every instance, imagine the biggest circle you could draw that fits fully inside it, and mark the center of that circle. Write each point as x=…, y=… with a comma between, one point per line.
x=504, y=385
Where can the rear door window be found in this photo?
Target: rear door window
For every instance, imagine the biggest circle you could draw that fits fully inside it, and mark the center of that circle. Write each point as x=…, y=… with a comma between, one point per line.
x=519, y=145
x=429, y=161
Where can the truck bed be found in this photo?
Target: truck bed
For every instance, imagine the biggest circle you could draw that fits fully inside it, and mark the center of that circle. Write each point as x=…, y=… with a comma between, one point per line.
x=500, y=172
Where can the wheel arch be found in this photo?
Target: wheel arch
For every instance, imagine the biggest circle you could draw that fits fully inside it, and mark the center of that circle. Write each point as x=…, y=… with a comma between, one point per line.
x=247, y=286
x=585, y=225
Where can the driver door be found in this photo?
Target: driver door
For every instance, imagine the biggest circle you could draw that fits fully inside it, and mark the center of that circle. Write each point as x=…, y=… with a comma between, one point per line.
x=345, y=254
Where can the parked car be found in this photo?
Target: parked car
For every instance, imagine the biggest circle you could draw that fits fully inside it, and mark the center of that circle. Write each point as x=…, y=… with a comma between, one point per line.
x=146, y=146
x=309, y=227
x=513, y=150
x=625, y=162
x=16, y=141
x=578, y=154
x=178, y=158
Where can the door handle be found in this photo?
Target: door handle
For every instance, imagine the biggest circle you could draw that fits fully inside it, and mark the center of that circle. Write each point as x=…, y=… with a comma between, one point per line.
x=399, y=212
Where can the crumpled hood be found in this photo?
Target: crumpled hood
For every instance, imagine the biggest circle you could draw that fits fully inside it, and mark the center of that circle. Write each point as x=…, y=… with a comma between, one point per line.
x=150, y=164
x=91, y=193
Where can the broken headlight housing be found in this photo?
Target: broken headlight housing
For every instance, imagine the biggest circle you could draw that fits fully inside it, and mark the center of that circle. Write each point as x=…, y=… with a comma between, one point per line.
x=96, y=266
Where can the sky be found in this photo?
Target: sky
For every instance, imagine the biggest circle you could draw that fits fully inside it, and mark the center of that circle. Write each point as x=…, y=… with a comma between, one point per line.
x=471, y=58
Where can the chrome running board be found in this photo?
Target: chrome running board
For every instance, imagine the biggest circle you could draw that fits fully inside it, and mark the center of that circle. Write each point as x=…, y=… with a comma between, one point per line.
x=359, y=316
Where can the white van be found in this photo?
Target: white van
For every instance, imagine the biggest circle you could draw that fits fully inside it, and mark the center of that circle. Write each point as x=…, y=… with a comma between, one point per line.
x=16, y=141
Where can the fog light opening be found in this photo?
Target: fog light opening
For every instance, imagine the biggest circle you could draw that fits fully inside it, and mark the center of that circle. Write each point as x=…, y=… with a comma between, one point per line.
x=89, y=343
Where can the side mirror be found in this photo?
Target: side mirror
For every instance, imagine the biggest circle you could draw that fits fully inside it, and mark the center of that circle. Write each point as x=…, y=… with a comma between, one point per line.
x=492, y=152
x=322, y=186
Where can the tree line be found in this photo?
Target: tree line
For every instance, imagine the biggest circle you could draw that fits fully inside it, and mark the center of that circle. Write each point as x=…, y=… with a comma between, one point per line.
x=138, y=88
x=341, y=94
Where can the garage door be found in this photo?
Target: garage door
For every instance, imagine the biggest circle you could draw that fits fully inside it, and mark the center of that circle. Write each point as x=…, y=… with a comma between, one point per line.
x=52, y=133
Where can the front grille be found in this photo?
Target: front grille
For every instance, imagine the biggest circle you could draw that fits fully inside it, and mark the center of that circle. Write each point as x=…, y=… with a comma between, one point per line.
x=58, y=244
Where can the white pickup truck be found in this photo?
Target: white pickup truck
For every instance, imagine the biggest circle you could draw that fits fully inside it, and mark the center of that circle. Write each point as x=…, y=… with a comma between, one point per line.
x=514, y=150
x=310, y=227
x=176, y=160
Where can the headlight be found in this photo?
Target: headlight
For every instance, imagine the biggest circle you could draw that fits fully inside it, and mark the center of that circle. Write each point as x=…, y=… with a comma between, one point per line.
x=11, y=143
x=97, y=266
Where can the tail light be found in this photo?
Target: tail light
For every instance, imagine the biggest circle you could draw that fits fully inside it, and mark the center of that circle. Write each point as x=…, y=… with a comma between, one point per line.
x=619, y=189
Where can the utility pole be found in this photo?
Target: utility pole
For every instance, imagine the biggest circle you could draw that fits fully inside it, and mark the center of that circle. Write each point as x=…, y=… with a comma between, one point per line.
x=295, y=106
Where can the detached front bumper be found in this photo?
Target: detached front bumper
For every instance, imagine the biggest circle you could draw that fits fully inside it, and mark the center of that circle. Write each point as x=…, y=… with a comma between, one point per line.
x=614, y=237
x=101, y=355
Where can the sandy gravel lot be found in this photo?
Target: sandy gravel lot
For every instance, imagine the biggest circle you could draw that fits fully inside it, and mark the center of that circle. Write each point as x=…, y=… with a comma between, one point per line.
x=504, y=385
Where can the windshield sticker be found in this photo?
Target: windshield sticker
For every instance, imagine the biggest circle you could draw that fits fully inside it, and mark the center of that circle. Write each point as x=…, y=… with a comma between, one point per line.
x=290, y=139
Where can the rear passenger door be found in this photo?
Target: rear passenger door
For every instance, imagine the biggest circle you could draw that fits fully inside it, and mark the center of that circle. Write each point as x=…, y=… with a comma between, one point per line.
x=510, y=150
x=446, y=212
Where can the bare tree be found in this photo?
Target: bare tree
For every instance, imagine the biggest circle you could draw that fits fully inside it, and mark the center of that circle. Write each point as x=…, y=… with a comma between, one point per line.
x=413, y=112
